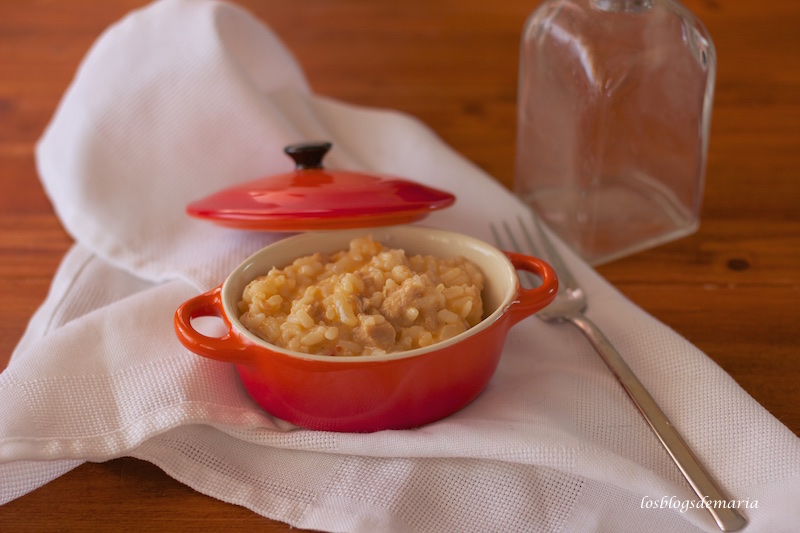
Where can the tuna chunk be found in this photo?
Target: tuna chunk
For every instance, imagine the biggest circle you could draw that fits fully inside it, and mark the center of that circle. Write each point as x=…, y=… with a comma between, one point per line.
x=374, y=330
x=396, y=303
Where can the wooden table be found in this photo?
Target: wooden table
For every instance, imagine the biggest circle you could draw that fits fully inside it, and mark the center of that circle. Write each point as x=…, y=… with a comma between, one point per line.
x=732, y=288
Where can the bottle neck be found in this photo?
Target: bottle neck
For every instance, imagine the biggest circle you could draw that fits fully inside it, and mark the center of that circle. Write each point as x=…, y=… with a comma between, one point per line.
x=623, y=6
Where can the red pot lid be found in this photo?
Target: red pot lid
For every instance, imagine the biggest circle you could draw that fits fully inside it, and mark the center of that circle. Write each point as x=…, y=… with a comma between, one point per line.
x=313, y=198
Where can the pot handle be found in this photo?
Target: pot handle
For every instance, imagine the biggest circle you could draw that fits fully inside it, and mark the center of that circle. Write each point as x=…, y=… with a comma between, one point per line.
x=530, y=301
x=230, y=348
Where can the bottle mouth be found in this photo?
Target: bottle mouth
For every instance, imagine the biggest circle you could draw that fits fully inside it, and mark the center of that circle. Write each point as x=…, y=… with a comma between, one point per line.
x=624, y=6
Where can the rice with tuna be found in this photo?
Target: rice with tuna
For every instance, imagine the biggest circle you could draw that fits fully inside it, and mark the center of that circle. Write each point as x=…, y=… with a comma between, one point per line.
x=366, y=300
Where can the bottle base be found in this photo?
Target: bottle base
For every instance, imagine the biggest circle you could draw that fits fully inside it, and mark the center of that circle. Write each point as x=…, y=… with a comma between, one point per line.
x=618, y=218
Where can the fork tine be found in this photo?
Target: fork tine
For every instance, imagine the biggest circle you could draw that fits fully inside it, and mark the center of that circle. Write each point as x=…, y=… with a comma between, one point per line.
x=514, y=244
x=528, y=280
x=498, y=241
x=529, y=238
x=566, y=279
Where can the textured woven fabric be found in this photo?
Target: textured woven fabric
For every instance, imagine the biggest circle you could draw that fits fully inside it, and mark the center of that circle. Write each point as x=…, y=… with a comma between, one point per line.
x=183, y=98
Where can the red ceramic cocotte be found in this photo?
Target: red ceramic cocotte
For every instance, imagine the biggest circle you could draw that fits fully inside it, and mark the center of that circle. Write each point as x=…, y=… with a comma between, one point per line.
x=370, y=393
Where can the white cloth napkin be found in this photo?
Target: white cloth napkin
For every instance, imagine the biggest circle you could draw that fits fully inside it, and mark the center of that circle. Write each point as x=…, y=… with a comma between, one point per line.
x=183, y=98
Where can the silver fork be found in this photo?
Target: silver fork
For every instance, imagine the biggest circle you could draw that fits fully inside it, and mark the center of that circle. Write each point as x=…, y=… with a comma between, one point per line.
x=569, y=306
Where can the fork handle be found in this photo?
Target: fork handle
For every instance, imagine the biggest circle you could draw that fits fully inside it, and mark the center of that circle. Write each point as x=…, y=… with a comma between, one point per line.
x=727, y=518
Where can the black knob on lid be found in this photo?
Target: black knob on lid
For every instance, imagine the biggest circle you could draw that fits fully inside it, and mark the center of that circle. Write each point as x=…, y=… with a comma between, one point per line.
x=308, y=155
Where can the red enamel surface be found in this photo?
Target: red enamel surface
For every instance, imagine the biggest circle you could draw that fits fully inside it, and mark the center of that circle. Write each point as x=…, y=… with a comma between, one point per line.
x=312, y=199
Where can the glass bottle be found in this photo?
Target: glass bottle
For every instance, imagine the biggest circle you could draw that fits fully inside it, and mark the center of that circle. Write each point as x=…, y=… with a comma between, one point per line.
x=614, y=110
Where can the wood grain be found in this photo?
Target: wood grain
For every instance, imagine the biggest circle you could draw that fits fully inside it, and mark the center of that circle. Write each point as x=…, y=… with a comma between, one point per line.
x=731, y=289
